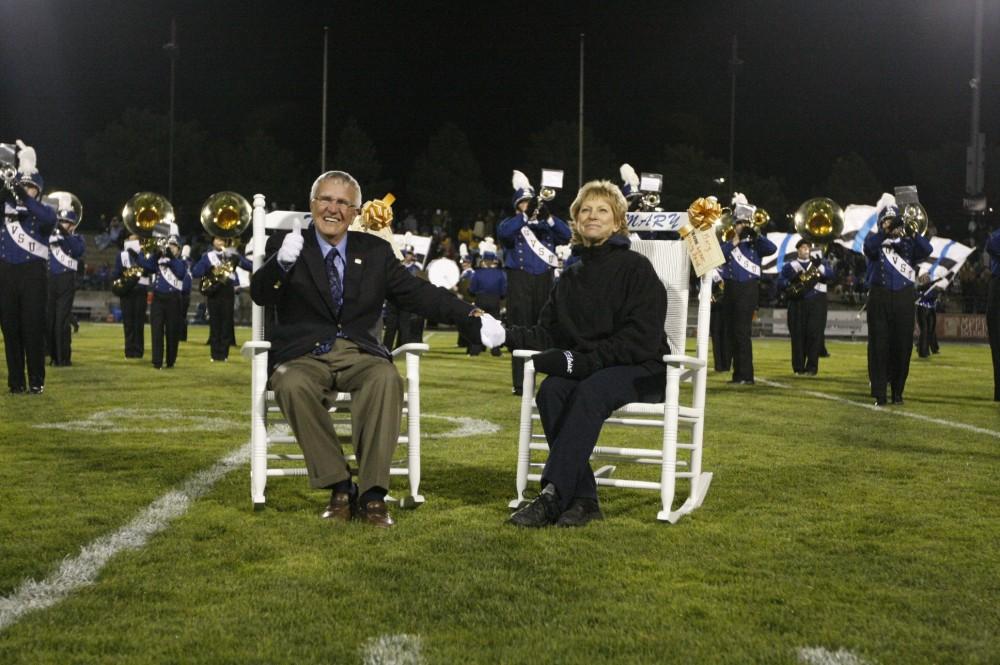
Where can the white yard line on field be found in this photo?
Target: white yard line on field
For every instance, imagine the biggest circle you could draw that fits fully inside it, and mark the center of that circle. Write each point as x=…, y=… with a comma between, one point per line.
x=821, y=656
x=83, y=569
x=392, y=650
x=895, y=411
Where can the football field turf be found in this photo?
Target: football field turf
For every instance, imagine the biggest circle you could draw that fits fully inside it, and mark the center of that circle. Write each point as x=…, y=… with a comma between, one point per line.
x=833, y=532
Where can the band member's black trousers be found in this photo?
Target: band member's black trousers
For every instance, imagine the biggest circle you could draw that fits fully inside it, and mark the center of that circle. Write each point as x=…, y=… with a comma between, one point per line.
x=165, y=320
x=220, y=321
x=58, y=317
x=526, y=295
x=22, y=319
x=993, y=329
x=185, y=306
x=134, y=321
x=718, y=329
x=806, y=319
x=890, y=339
x=739, y=303
x=573, y=411
x=926, y=322
x=401, y=327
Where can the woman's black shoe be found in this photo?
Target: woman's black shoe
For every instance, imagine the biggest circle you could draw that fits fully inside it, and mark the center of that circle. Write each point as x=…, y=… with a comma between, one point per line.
x=542, y=511
x=580, y=512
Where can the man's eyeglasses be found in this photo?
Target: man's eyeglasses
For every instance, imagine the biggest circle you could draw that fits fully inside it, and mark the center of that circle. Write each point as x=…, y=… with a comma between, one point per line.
x=330, y=202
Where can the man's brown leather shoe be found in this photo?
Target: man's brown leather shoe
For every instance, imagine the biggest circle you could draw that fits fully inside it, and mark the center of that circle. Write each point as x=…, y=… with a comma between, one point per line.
x=375, y=513
x=340, y=508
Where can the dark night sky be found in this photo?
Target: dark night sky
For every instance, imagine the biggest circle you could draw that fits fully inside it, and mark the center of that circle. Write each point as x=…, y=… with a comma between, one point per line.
x=820, y=78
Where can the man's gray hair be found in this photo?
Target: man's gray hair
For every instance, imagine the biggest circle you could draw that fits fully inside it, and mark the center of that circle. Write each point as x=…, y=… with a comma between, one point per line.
x=339, y=176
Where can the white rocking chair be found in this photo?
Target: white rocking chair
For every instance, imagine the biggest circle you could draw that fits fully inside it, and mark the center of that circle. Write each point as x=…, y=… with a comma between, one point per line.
x=265, y=413
x=670, y=259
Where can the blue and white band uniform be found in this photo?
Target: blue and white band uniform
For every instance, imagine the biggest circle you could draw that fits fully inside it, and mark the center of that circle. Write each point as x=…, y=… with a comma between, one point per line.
x=168, y=274
x=125, y=262
x=531, y=247
x=796, y=267
x=64, y=250
x=892, y=260
x=26, y=230
x=743, y=259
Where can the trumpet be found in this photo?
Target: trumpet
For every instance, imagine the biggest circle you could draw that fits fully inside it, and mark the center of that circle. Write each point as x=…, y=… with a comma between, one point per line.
x=8, y=163
x=536, y=207
x=223, y=215
x=725, y=226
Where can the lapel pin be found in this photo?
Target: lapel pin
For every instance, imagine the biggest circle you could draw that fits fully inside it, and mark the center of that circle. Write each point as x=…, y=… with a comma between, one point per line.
x=358, y=261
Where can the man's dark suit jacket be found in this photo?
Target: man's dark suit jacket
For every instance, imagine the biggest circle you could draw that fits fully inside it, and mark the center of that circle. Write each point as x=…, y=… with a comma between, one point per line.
x=305, y=311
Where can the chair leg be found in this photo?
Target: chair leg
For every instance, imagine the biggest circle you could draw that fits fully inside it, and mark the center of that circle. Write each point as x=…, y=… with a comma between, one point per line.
x=258, y=433
x=668, y=469
x=414, y=498
x=524, y=435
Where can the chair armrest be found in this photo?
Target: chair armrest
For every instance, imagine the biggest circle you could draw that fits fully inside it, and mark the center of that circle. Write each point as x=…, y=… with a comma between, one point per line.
x=251, y=348
x=686, y=361
x=413, y=347
x=525, y=353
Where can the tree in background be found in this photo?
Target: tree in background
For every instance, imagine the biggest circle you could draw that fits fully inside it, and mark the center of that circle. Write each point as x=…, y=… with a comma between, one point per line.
x=557, y=147
x=356, y=154
x=447, y=174
x=852, y=181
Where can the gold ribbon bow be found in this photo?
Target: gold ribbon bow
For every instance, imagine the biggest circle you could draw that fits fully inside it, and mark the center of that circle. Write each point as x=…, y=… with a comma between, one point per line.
x=377, y=214
x=704, y=212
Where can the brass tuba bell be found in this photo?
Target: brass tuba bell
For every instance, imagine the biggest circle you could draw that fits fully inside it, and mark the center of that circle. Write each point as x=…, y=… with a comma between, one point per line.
x=223, y=215
x=819, y=220
x=150, y=216
x=226, y=215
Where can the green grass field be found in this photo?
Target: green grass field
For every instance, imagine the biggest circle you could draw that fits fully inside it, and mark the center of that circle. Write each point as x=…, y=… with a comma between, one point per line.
x=831, y=531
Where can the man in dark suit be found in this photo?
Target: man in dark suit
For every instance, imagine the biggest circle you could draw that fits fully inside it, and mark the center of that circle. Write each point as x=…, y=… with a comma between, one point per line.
x=327, y=286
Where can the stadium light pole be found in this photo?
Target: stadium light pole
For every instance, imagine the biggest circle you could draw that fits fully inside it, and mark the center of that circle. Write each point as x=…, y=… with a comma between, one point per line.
x=734, y=65
x=322, y=147
x=579, y=163
x=975, y=153
x=171, y=49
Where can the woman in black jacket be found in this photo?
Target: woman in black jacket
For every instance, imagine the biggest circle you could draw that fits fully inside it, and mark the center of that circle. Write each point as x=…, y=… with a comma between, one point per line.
x=603, y=330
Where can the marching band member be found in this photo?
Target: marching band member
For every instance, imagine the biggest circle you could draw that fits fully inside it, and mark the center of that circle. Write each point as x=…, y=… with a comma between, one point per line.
x=927, y=342
x=165, y=315
x=805, y=280
x=993, y=309
x=892, y=258
x=488, y=286
x=218, y=266
x=186, y=293
x=718, y=327
x=65, y=250
x=529, y=238
x=402, y=326
x=24, y=250
x=132, y=294
x=742, y=290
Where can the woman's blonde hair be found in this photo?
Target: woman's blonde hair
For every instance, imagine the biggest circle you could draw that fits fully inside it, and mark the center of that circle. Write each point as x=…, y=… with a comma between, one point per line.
x=604, y=189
